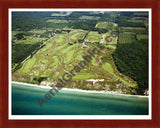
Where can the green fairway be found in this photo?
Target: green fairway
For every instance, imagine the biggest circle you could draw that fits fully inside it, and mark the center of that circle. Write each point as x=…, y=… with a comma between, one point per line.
x=56, y=61
x=60, y=38
x=48, y=46
x=107, y=67
x=60, y=47
x=28, y=65
x=74, y=36
x=84, y=76
x=69, y=56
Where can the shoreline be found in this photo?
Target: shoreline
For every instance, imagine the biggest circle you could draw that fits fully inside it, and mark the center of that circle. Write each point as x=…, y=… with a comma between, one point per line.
x=79, y=90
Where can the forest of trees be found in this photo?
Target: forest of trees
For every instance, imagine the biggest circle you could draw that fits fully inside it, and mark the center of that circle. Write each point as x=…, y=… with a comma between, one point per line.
x=25, y=21
x=123, y=20
x=20, y=51
x=131, y=59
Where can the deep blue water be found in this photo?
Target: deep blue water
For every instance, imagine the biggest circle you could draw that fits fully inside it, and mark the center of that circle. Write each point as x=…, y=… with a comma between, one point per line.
x=24, y=102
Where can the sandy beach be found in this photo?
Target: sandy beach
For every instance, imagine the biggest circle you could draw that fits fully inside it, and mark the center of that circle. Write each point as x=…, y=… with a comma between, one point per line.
x=78, y=90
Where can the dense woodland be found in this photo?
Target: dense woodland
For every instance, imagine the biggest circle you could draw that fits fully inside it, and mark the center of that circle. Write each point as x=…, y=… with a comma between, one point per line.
x=131, y=59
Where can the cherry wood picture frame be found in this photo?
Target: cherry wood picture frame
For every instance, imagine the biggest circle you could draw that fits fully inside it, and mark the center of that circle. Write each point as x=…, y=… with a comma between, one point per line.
x=5, y=5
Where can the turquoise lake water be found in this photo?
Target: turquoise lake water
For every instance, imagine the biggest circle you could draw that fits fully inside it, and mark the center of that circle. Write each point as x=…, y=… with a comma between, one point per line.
x=24, y=102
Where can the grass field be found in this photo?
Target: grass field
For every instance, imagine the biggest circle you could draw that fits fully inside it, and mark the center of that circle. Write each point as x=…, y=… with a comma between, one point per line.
x=58, y=14
x=106, y=25
x=37, y=31
x=94, y=36
x=136, y=30
x=127, y=37
x=89, y=17
x=31, y=40
x=57, y=21
x=142, y=37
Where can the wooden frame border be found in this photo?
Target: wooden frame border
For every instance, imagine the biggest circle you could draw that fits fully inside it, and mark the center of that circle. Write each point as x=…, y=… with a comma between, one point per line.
x=6, y=4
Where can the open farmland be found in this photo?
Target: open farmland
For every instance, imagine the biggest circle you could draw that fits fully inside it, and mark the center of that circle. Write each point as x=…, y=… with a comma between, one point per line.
x=57, y=21
x=31, y=40
x=137, y=30
x=127, y=37
x=106, y=25
x=89, y=18
x=139, y=37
